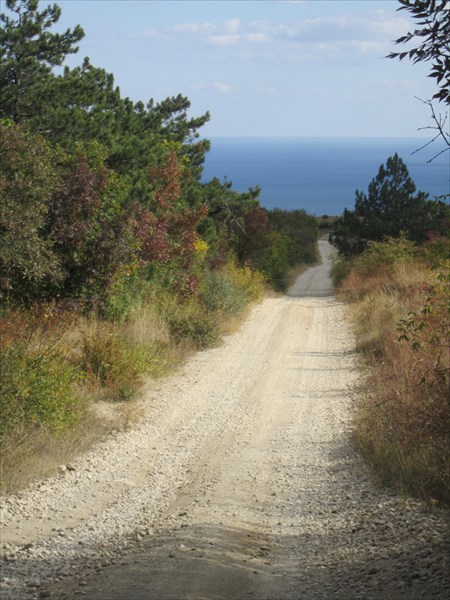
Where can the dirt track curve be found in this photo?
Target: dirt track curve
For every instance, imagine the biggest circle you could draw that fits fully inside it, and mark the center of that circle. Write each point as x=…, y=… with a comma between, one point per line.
x=241, y=482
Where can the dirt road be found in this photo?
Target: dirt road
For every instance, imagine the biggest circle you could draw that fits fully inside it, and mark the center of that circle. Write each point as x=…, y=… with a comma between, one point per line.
x=241, y=482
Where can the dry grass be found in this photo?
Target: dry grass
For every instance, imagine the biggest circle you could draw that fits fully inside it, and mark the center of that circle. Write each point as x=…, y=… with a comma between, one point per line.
x=87, y=373
x=401, y=317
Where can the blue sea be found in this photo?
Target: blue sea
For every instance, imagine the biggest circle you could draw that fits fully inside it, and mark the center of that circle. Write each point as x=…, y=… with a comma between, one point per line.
x=320, y=175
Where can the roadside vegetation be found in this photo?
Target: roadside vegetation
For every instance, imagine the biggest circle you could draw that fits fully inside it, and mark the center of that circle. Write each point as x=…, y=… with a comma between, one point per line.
x=393, y=268
x=116, y=260
x=398, y=290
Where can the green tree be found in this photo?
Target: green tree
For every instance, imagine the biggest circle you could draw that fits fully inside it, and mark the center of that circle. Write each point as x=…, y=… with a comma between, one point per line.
x=28, y=54
x=88, y=223
x=390, y=207
x=28, y=262
x=84, y=104
x=299, y=227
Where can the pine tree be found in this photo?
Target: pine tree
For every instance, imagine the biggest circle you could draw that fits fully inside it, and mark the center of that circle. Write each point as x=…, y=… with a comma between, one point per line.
x=28, y=54
x=390, y=207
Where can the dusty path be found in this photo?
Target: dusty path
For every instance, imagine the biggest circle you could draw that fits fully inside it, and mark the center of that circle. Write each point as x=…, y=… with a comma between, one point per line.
x=241, y=482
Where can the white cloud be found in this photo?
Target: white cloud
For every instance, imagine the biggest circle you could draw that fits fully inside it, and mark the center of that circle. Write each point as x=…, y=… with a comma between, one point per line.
x=192, y=28
x=375, y=26
x=257, y=37
x=225, y=39
x=227, y=32
x=224, y=88
x=232, y=26
x=325, y=37
x=272, y=29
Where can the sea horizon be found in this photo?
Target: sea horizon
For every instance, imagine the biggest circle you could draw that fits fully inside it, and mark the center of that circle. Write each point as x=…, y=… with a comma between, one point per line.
x=310, y=173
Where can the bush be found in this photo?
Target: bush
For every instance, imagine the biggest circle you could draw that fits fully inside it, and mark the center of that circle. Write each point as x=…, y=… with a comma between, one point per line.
x=340, y=268
x=190, y=322
x=384, y=255
x=38, y=390
x=248, y=281
x=219, y=293
x=374, y=319
x=386, y=267
x=274, y=261
x=436, y=249
x=125, y=294
x=403, y=424
x=112, y=361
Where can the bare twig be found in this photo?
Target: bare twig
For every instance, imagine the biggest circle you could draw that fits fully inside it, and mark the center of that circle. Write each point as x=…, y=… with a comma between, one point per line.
x=440, y=122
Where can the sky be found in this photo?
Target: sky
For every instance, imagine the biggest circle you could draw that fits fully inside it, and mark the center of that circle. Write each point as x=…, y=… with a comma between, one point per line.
x=262, y=67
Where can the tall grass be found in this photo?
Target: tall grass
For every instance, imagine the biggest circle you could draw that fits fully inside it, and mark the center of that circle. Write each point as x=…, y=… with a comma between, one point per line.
x=400, y=308
x=56, y=364
x=38, y=382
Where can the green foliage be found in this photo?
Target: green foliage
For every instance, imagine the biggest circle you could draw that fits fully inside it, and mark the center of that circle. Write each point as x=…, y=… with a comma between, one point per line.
x=340, y=268
x=249, y=282
x=189, y=322
x=37, y=382
x=28, y=261
x=125, y=294
x=220, y=294
x=28, y=53
x=301, y=229
x=103, y=214
x=115, y=362
x=125, y=186
x=274, y=259
x=274, y=241
x=384, y=255
x=436, y=249
x=90, y=227
x=390, y=208
x=37, y=391
x=293, y=242
x=227, y=291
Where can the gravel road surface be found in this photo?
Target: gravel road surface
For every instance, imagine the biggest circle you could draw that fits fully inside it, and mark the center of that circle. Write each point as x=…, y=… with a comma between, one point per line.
x=240, y=482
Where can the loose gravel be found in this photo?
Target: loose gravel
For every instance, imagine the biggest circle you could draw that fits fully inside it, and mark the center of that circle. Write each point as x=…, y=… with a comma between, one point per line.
x=240, y=481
